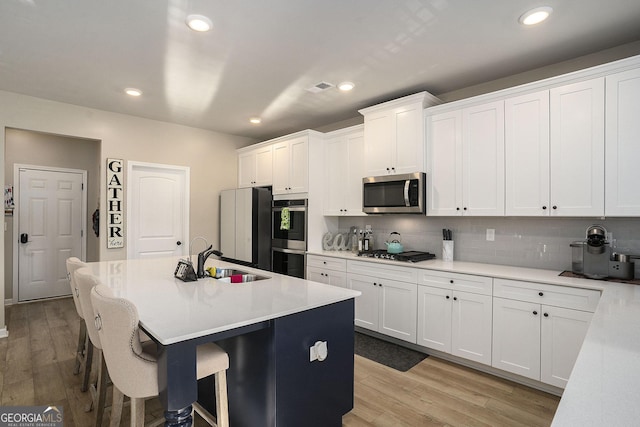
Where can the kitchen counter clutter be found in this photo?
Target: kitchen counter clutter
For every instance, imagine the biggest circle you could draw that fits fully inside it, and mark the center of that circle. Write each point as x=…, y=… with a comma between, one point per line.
x=605, y=381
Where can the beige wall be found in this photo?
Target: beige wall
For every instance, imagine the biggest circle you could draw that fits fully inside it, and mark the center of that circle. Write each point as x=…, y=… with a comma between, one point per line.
x=210, y=155
x=41, y=149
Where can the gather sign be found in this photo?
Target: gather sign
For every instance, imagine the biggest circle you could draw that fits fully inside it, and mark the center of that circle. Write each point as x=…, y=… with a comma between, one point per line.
x=115, y=190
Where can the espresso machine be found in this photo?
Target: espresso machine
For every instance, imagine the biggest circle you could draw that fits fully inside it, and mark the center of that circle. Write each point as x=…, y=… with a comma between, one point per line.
x=595, y=258
x=596, y=253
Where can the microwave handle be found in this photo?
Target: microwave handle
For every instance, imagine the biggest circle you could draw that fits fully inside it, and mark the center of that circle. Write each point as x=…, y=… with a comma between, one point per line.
x=406, y=192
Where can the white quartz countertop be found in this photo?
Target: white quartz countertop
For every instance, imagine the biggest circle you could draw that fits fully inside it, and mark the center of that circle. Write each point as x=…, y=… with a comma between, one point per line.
x=172, y=310
x=604, y=387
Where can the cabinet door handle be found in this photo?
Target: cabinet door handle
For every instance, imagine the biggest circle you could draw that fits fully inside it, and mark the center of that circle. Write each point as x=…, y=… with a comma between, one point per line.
x=554, y=207
x=447, y=297
x=451, y=281
x=465, y=208
x=544, y=208
x=541, y=293
x=546, y=315
x=535, y=313
x=455, y=298
x=457, y=209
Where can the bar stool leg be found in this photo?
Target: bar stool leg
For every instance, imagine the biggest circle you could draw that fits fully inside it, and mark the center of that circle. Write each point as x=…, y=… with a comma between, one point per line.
x=116, y=407
x=82, y=348
x=101, y=390
x=222, y=401
x=88, y=360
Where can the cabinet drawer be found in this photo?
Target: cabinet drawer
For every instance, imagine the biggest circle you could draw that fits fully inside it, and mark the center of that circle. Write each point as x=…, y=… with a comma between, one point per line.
x=559, y=296
x=383, y=271
x=329, y=263
x=459, y=282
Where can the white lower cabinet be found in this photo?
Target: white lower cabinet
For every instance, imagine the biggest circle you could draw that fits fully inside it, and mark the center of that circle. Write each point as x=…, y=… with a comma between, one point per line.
x=387, y=305
x=562, y=334
x=454, y=321
x=327, y=270
x=535, y=339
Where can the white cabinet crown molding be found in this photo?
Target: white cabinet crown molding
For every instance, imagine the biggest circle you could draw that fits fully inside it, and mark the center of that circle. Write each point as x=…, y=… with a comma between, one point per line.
x=306, y=132
x=548, y=83
x=426, y=98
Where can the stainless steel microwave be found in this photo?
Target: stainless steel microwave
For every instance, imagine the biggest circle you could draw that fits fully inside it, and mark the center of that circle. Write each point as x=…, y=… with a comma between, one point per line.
x=397, y=194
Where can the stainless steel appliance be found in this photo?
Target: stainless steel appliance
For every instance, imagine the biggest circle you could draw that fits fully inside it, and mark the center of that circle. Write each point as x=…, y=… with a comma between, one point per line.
x=289, y=237
x=596, y=253
x=394, y=194
x=408, y=256
x=245, y=227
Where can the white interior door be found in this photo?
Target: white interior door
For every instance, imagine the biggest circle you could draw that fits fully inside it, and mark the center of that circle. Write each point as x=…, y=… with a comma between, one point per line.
x=158, y=210
x=50, y=229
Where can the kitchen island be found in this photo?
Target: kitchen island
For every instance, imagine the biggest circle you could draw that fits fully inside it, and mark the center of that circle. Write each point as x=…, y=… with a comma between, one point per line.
x=267, y=327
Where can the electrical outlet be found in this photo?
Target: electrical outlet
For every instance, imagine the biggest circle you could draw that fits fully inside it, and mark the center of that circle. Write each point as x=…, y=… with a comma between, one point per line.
x=367, y=227
x=491, y=234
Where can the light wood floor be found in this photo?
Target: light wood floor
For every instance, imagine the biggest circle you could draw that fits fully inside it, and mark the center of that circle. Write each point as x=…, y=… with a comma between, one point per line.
x=37, y=360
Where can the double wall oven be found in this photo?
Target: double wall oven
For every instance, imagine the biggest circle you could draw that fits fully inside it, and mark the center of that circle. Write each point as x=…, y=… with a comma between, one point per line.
x=289, y=237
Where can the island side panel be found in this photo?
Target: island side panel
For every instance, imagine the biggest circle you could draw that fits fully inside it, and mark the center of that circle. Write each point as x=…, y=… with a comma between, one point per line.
x=314, y=393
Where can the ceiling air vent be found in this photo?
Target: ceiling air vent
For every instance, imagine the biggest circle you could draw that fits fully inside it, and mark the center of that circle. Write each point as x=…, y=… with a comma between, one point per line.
x=320, y=87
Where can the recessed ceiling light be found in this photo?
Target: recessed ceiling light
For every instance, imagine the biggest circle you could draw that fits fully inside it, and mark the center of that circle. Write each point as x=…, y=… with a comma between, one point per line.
x=255, y=120
x=133, y=91
x=346, y=86
x=535, y=16
x=199, y=23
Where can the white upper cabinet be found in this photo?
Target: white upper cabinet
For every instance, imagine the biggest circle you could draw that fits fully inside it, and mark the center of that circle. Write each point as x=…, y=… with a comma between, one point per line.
x=291, y=166
x=255, y=167
x=577, y=149
x=394, y=135
x=483, y=159
x=344, y=172
x=465, y=151
x=527, y=155
x=444, y=154
x=622, y=144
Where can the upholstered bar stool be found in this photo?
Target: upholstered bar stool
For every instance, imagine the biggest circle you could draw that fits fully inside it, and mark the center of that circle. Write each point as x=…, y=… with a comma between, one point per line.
x=133, y=366
x=85, y=281
x=84, y=352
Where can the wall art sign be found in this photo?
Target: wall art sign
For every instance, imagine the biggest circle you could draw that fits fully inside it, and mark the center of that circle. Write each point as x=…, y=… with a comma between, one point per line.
x=115, y=191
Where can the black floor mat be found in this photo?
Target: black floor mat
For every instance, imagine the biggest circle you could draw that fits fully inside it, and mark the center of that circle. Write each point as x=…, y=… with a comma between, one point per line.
x=386, y=353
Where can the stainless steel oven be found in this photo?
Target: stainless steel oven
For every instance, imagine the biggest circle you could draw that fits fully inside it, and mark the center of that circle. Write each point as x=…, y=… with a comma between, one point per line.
x=289, y=237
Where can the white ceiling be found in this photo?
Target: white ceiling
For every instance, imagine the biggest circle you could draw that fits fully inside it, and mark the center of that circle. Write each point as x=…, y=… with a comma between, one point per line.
x=262, y=54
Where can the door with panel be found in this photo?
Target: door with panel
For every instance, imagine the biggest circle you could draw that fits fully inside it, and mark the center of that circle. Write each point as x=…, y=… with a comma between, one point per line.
x=444, y=156
x=561, y=336
x=577, y=149
x=471, y=325
x=483, y=159
x=434, y=318
x=398, y=309
x=527, y=155
x=622, y=197
x=516, y=337
x=366, y=305
x=158, y=210
x=51, y=222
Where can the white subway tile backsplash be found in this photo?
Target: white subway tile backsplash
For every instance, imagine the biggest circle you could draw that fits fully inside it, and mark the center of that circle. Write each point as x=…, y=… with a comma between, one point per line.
x=523, y=242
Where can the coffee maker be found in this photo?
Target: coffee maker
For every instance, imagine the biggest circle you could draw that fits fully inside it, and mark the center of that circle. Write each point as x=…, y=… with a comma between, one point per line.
x=596, y=253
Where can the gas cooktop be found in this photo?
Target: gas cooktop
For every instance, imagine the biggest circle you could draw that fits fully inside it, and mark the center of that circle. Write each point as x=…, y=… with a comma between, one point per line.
x=409, y=256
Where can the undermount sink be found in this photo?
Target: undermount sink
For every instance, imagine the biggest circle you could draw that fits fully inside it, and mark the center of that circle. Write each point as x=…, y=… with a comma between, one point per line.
x=229, y=275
